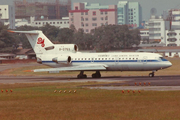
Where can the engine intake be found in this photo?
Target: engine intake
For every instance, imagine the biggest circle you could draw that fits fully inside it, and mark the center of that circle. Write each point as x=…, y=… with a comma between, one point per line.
x=62, y=60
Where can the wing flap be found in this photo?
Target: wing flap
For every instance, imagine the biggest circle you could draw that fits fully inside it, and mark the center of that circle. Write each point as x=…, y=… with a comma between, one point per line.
x=74, y=68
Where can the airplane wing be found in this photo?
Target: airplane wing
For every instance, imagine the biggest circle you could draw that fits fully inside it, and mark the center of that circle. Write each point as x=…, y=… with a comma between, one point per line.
x=74, y=68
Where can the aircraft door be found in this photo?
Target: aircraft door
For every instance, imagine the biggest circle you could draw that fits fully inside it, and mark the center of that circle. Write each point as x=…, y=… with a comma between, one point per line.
x=92, y=60
x=145, y=60
x=116, y=61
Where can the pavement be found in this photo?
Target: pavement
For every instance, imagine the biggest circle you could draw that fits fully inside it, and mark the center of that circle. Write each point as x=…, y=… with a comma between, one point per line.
x=158, y=83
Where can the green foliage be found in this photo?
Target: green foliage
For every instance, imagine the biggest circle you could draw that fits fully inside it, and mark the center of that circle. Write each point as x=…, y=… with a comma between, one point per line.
x=104, y=38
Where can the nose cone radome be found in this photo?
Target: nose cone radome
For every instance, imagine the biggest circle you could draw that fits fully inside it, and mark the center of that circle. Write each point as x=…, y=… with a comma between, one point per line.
x=167, y=64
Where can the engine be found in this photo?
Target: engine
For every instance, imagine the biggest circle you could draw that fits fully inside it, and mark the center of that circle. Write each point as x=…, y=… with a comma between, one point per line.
x=62, y=60
x=67, y=48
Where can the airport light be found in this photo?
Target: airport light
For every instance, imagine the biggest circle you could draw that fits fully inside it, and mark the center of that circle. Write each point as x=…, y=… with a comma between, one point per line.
x=2, y=91
x=122, y=91
x=140, y=83
x=74, y=91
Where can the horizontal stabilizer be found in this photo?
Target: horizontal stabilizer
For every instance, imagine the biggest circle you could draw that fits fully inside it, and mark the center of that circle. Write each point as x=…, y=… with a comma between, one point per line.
x=25, y=32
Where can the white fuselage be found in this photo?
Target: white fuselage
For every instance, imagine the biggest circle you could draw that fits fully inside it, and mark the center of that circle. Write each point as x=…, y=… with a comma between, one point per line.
x=120, y=61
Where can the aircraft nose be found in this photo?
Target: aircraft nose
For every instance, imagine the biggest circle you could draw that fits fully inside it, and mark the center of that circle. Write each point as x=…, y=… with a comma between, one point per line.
x=168, y=64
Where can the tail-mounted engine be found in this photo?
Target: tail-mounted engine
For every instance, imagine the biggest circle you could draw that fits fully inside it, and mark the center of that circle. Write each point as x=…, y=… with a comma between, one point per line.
x=62, y=60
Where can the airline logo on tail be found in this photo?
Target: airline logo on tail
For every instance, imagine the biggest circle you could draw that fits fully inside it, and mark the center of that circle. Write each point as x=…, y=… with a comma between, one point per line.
x=41, y=41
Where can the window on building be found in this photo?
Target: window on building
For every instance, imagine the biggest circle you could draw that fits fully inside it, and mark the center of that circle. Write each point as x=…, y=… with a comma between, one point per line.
x=101, y=13
x=82, y=13
x=94, y=24
x=57, y=22
x=87, y=24
x=105, y=13
x=60, y=22
x=102, y=18
x=94, y=19
x=76, y=8
x=82, y=19
x=94, y=12
x=86, y=13
x=53, y=22
x=71, y=14
x=72, y=19
x=102, y=24
x=87, y=30
x=64, y=22
x=106, y=18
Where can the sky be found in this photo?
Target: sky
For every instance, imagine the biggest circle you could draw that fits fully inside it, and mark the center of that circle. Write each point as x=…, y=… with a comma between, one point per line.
x=147, y=5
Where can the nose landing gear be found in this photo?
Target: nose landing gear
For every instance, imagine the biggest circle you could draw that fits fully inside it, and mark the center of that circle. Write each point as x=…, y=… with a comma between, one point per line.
x=151, y=74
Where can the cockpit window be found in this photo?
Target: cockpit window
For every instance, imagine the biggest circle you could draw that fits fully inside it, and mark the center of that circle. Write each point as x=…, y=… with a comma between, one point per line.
x=161, y=58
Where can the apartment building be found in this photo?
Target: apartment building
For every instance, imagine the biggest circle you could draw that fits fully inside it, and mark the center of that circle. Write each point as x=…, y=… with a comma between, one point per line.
x=88, y=19
x=7, y=15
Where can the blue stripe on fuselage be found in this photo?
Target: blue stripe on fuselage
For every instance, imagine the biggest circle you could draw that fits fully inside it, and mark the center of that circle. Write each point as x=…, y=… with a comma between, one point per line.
x=98, y=61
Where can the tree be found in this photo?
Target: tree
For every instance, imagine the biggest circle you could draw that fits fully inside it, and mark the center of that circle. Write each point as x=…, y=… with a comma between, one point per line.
x=65, y=35
x=7, y=40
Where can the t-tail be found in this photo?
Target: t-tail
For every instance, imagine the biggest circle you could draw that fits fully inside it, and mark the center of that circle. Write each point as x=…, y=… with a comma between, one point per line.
x=44, y=48
x=41, y=44
x=38, y=40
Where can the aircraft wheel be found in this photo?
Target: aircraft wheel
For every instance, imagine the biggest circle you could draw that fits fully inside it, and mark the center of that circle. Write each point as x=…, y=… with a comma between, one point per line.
x=93, y=75
x=84, y=76
x=151, y=74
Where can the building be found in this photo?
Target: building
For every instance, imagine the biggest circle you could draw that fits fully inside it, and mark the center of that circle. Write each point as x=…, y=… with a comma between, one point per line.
x=134, y=14
x=144, y=33
x=7, y=15
x=157, y=29
x=174, y=17
x=172, y=37
x=129, y=13
x=95, y=6
x=48, y=9
x=122, y=12
x=61, y=23
x=88, y=19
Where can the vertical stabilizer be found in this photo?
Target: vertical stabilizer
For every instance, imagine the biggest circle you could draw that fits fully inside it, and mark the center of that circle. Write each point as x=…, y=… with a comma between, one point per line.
x=38, y=40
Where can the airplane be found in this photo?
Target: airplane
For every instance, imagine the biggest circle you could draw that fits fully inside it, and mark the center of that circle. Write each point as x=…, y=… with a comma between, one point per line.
x=66, y=57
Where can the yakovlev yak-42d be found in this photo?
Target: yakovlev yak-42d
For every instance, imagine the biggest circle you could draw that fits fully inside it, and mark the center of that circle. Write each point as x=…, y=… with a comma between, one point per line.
x=65, y=57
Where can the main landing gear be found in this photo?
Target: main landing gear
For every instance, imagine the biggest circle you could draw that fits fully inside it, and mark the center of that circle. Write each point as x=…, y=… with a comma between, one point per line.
x=151, y=74
x=96, y=75
x=81, y=75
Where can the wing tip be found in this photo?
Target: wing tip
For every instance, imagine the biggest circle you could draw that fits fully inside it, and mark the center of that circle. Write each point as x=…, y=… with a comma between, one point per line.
x=28, y=70
x=11, y=31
